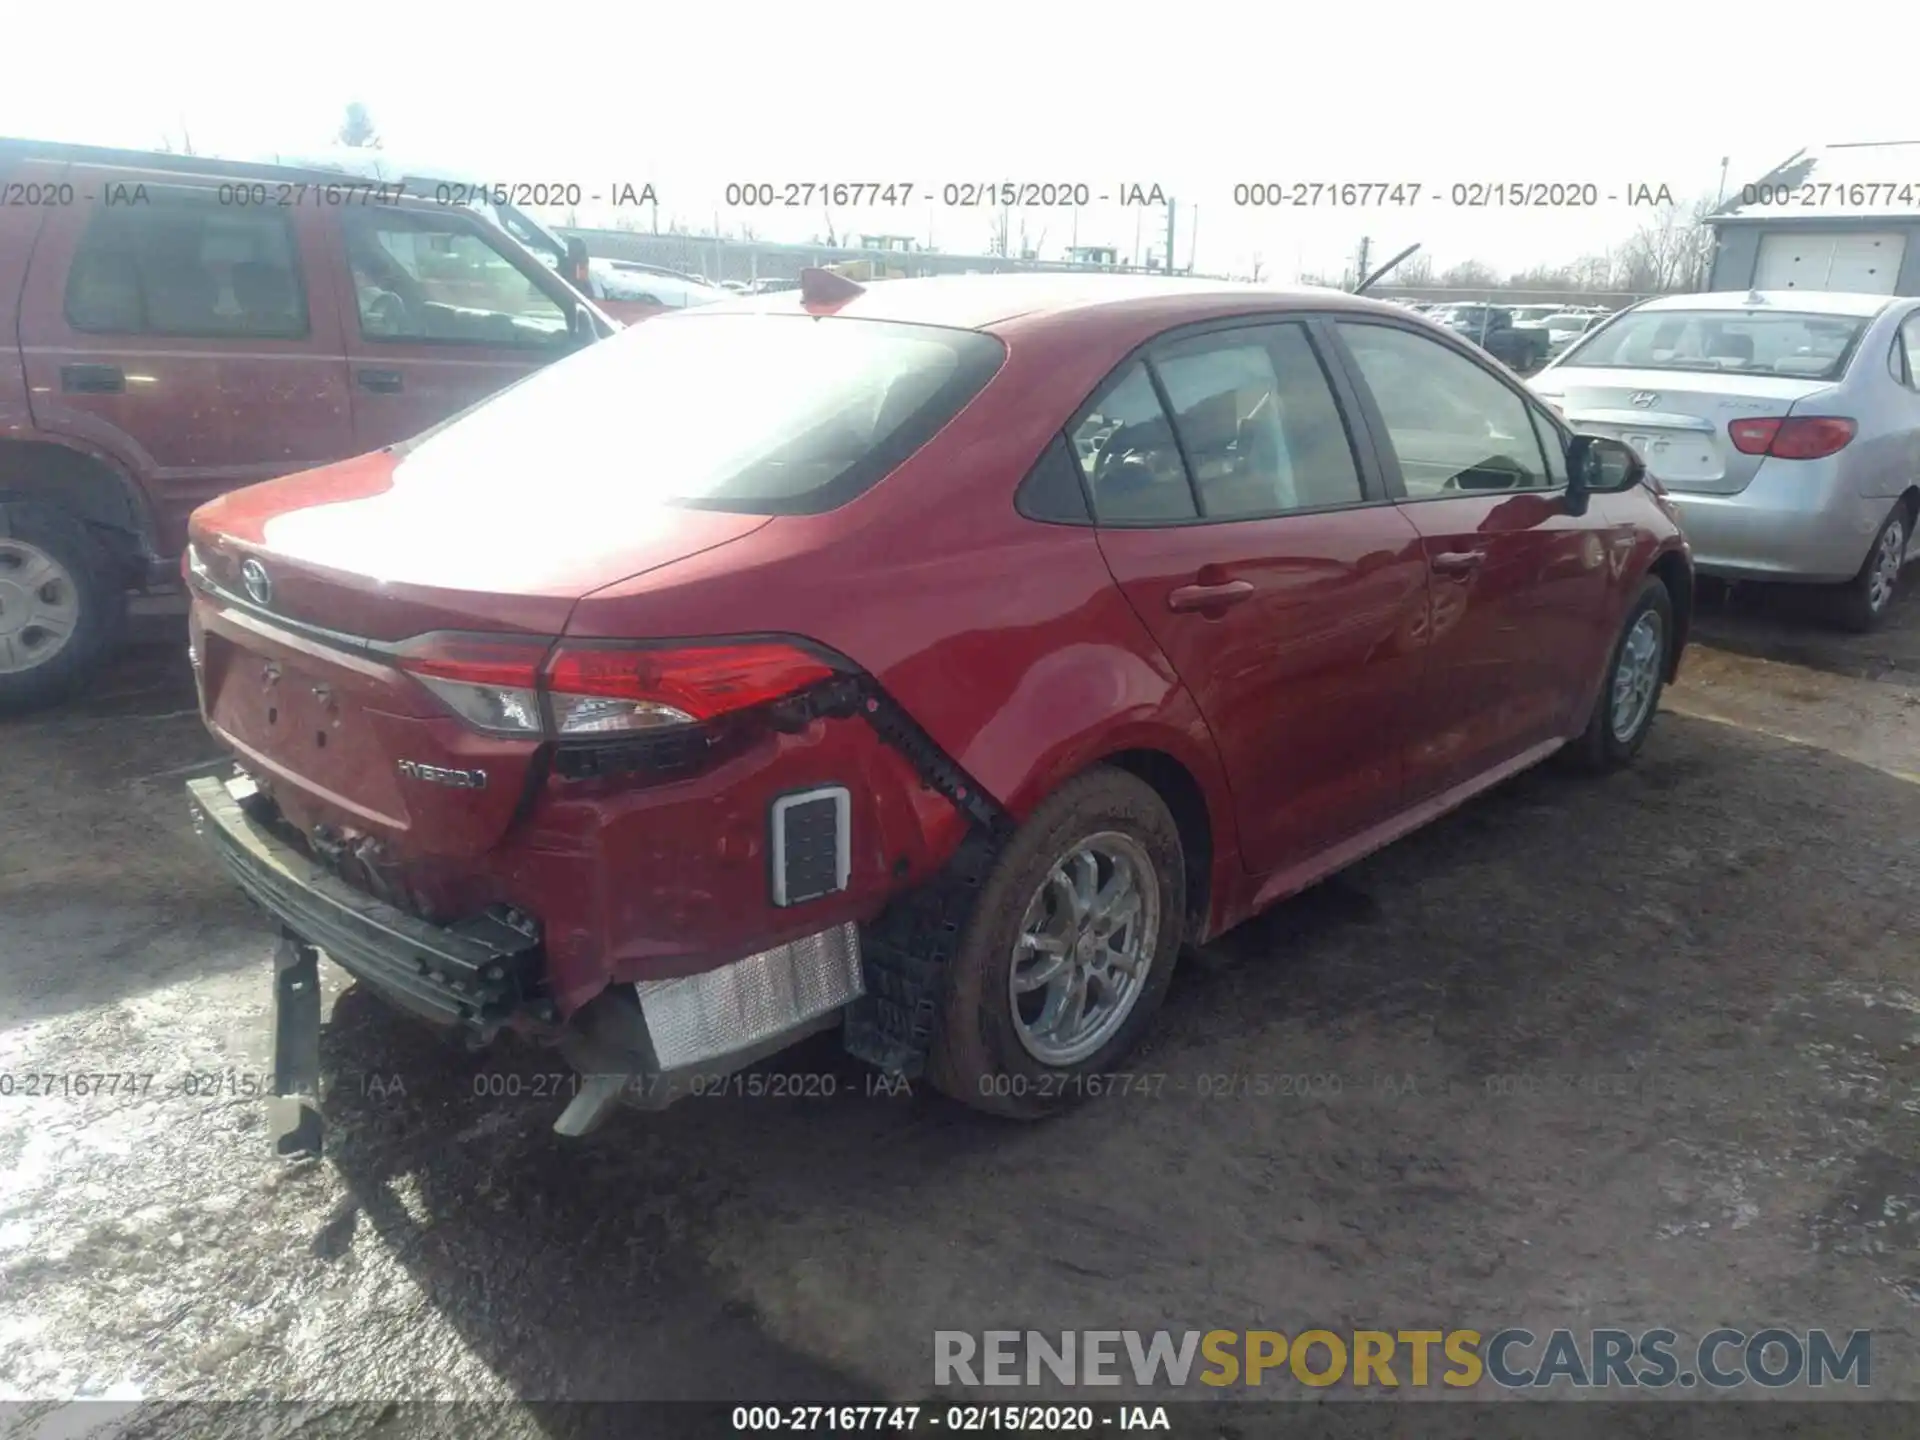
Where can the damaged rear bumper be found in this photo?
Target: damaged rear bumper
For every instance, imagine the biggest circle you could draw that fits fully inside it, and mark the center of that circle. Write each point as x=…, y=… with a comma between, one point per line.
x=646, y=1045
x=477, y=975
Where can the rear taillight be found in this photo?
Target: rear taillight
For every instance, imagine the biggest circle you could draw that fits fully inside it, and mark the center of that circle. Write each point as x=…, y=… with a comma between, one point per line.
x=497, y=683
x=1795, y=437
x=596, y=690
x=491, y=682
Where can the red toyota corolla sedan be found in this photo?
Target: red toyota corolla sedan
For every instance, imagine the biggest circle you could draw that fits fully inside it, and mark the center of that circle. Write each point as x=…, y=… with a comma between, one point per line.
x=930, y=660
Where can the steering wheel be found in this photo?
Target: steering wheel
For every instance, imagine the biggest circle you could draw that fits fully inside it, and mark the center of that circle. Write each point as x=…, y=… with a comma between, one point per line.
x=389, y=314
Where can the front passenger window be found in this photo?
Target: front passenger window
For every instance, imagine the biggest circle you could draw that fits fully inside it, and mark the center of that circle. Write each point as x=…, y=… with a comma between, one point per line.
x=415, y=278
x=1454, y=427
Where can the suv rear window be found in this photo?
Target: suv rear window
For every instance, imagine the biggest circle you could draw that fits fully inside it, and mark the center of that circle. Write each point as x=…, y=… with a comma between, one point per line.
x=758, y=414
x=1812, y=347
x=181, y=265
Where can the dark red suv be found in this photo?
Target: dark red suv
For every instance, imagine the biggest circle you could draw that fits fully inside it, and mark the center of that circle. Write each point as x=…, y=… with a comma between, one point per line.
x=930, y=660
x=172, y=327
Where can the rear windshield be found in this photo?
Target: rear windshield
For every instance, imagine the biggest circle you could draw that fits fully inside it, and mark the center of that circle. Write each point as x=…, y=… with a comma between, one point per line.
x=758, y=414
x=1812, y=347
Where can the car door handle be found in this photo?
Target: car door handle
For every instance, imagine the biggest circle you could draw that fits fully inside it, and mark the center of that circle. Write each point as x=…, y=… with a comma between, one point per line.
x=381, y=382
x=1209, y=597
x=1458, y=562
x=93, y=379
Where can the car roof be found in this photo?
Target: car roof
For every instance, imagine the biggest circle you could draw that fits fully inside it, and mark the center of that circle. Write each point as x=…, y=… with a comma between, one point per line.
x=990, y=302
x=1800, y=302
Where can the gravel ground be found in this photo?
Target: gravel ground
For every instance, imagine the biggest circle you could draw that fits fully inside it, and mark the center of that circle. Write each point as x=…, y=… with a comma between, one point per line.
x=1636, y=1052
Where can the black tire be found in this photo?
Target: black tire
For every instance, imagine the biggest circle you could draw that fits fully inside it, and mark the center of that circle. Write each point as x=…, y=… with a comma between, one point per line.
x=1855, y=606
x=101, y=597
x=1599, y=747
x=977, y=1054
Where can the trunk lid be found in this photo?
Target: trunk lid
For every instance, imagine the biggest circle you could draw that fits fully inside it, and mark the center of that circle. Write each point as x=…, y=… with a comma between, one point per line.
x=394, y=544
x=362, y=557
x=1676, y=420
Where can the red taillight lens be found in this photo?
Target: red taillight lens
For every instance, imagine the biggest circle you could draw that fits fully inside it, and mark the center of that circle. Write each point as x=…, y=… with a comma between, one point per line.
x=1798, y=437
x=491, y=682
x=1752, y=437
x=494, y=683
x=595, y=689
x=1810, y=437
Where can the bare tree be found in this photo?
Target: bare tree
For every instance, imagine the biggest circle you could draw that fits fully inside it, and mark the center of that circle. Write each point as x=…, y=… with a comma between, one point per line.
x=357, y=129
x=1670, y=251
x=1031, y=248
x=1415, y=270
x=1259, y=269
x=1469, y=275
x=1000, y=238
x=832, y=235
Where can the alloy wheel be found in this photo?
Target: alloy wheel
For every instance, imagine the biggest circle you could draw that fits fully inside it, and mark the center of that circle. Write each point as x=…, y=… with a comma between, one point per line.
x=1884, y=569
x=1087, y=940
x=1637, y=675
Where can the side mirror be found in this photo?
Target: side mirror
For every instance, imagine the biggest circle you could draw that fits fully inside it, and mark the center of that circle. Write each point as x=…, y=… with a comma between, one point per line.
x=577, y=263
x=1598, y=465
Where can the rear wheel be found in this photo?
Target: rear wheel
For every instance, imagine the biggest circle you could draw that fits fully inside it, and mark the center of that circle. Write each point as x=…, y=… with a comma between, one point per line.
x=1862, y=603
x=61, y=609
x=1630, y=694
x=1067, y=953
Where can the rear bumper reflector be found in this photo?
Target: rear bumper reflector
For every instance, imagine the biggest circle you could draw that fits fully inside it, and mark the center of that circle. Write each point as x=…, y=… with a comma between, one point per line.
x=812, y=844
x=473, y=976
x=733, y=1012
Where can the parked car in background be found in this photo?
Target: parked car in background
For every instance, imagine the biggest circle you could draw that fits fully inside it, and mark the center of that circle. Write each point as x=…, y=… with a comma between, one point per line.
x=1566, y=326
x=1785, y=425
x=631, y=292
x=176, y=327
x=1492, y=328
x=1022, y=629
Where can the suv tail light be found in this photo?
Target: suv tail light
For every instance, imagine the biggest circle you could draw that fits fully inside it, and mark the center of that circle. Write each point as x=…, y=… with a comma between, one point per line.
x=1799, y=437
x=497, y=683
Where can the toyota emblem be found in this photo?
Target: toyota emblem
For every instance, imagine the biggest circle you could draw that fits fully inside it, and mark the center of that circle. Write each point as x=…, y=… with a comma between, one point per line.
x=1644, y=399
x=259, y=584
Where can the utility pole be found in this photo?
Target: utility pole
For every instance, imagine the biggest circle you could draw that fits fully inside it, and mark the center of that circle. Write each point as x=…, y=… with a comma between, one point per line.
x=1170, y=210
x=1193, y=239
x=1366, y=245
x=1721, y=198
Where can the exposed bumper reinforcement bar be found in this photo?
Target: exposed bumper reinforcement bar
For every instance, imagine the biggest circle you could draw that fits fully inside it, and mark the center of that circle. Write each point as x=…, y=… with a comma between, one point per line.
x=473, y=975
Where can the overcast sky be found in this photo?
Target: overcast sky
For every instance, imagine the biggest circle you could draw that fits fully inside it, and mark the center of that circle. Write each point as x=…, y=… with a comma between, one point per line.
x=1194, y=96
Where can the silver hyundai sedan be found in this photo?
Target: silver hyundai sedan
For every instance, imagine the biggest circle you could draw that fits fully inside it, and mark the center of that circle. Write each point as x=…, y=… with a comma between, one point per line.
x=1785, y=425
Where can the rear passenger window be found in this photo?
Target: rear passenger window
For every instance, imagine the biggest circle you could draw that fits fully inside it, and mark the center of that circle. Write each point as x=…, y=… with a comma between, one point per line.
x=1906, y=347
x=181, y=265
x=1260, y=441
x=1126, y=449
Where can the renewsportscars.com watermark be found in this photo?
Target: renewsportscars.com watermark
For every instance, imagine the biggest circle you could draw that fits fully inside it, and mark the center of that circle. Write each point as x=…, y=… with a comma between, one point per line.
x=1512, y=1359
